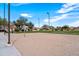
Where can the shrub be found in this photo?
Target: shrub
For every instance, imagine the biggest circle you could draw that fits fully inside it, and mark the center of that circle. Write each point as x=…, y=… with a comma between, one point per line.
x=17, y=30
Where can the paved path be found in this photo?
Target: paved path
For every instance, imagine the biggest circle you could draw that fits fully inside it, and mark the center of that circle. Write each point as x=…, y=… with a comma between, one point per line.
x=7, y=50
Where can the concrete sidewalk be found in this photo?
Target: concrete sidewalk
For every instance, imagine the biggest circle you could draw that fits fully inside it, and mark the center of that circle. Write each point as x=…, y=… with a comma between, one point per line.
x=7, y=50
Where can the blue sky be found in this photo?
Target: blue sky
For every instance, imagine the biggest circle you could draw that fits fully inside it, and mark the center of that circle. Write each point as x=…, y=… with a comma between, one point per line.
x=60, y=13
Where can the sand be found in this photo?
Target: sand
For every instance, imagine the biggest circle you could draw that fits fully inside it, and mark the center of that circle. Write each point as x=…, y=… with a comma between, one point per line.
x=46, y=44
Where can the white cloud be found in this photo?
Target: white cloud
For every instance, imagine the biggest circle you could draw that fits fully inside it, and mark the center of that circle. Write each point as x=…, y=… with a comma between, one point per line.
x=65, y=8
x=76, y=23
x=25, y=15
x=19, y=4
x=68, y=7
x=56, y=18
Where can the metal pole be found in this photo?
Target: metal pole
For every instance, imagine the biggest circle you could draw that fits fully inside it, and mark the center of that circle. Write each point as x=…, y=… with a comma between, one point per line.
x=39, y=22
x=48, y=18
x=9, y=23
x=24, y=29
x=4, y=18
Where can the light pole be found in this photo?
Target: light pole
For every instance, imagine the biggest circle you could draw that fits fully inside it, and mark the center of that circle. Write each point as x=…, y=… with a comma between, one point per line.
x=9, y=23
x=24, y=28
x=38, y=22
x=48, y=18
x=4, y=18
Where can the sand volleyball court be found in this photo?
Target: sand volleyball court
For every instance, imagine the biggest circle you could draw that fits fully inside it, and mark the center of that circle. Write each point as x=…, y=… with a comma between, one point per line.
x=46, y=44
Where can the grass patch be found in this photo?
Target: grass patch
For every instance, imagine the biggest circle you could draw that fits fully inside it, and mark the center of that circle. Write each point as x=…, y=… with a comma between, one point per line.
x=55, y=32
x=67, y=32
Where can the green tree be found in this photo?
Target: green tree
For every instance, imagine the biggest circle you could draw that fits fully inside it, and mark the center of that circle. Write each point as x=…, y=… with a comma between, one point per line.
x=58, y=28
x=65, y=27
x=30, y=25
x=3, y=21
x=0, y=21
x=21, y=21
x=45, y=27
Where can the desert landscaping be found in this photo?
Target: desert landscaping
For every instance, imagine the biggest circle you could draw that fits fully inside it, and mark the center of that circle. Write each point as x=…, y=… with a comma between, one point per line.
x=46, y=44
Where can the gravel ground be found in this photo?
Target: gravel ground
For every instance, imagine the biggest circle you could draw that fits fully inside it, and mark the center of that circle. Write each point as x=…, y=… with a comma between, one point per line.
x=46, y=44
